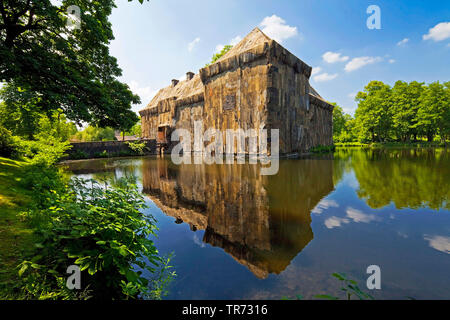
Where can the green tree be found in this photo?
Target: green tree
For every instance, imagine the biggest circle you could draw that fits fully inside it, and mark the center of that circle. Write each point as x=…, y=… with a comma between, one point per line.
x=405, y=105
x=445, y=122
x=20, y=114
x=343, y=125
x=63, y=67
x=433, y=110
x=56, y=126
x=92, y=133
x=136, y=130
x=373, y=115
x=338, y=120
x=19, y=111
x=220, y=54
x=349, y=133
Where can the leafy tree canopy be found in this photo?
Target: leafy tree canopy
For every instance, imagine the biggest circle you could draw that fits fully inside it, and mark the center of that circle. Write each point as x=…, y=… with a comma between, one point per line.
x=404, y=112
x=64, y=67
x=91, y=133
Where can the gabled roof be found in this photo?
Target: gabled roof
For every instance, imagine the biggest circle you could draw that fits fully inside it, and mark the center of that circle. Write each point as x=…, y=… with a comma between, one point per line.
x=191, y=91
x=317, y=99
x=184, y=89
x=255, y=38
x=313, y=92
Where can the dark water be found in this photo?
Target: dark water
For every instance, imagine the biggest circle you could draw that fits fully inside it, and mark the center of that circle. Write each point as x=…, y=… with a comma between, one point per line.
x=239, y=235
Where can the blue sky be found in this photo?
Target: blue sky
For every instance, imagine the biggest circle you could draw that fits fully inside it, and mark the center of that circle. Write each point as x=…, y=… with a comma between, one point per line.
x=163, y=39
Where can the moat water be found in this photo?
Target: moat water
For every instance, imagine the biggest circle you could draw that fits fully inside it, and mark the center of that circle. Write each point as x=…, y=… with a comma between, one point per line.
x=238, y=235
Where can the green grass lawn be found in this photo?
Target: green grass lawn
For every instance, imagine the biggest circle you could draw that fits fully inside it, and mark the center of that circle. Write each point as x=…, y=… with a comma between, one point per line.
x=16, y=238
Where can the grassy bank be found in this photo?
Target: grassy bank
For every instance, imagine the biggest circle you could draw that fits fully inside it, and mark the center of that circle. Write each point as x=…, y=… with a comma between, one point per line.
x=49, y=222
x=16, y=238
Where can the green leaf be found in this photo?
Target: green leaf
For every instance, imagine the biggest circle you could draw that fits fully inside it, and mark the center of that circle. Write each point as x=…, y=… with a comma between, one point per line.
x=338, y=276
x=23, y=269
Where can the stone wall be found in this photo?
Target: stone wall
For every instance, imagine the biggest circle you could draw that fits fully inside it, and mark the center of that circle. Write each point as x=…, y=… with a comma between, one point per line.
x=304, y=120
x=263, y=87
x=236, y=99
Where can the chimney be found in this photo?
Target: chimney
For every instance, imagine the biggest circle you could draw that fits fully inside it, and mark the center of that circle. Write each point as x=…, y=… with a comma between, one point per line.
x=174, y=82
x=189, y=75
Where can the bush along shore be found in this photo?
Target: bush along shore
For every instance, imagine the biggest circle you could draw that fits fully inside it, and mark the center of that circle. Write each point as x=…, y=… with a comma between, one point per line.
x=110, y=149
x=412, y=144
x=53, y=222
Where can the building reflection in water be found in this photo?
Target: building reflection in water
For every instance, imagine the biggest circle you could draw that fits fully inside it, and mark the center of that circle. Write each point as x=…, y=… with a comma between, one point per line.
x=263, y=222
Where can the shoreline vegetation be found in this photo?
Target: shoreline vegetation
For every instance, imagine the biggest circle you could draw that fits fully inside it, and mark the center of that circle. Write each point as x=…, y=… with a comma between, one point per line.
x=417, y=144
x=406, y=113
x=50, y=222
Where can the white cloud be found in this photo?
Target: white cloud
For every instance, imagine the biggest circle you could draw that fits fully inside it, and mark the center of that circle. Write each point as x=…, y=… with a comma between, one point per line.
x=316, y=70
x=277, y=29
x=273, y=26
x=403, y=235
x=403, y=42
x=198, y=242
x=146, y=93
x=348, y=110
x=324, y=205
x=351, y=214
x=332, y=57
x=391, y=61
x=439, y=243
x=325, y=77
x=352, y=95
x=219, y=48
x=359, y=216
x=439, y=32
x=360, y=62
x=334, y=222
x=192, y=44
x=232, y=42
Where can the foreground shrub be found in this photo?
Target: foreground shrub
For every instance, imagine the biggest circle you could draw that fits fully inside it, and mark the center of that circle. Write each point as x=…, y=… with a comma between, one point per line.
x=103, y=231
x=8, y=147
x=137, y=147
x=46, y=151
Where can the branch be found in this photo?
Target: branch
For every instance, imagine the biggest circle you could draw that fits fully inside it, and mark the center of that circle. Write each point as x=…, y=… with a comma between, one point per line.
x=3, y=12
x=30, y=18
x=21, y=12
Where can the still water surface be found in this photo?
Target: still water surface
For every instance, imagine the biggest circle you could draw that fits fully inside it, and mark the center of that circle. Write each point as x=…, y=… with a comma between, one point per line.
x=239, y=235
